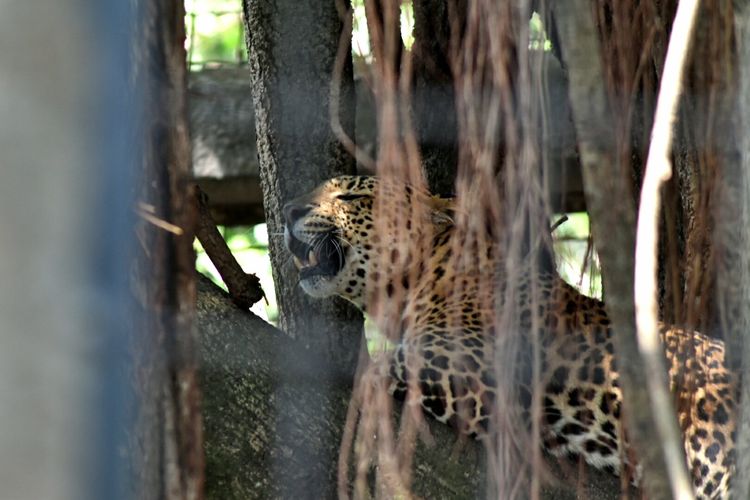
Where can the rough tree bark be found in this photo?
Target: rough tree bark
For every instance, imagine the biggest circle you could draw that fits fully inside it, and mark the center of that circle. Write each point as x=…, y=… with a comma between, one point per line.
x=292, y=48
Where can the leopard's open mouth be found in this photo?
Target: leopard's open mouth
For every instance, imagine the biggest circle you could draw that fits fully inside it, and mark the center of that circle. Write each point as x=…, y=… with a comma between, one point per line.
x=323, y=256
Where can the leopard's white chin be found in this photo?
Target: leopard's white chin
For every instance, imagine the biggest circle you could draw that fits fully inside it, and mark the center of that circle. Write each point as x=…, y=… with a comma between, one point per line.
x=318, y=286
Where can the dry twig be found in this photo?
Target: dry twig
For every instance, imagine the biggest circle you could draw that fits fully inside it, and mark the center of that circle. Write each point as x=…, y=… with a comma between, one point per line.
x=244, y=288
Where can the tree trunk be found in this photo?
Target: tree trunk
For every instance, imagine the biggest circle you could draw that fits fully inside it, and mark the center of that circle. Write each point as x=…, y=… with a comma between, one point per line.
x=292, y=49
x=290, y=84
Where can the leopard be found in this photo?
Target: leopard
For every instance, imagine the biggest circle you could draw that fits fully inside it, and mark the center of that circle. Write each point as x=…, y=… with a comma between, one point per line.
x=448, y=354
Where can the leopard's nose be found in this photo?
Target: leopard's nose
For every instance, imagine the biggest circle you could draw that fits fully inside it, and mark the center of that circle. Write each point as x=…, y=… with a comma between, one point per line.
x=293, y=212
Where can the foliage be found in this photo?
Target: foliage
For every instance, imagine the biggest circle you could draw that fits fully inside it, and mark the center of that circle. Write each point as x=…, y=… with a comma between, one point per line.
x=537, y=36
x=214, y=32
x=361, y=37
x=576, y=260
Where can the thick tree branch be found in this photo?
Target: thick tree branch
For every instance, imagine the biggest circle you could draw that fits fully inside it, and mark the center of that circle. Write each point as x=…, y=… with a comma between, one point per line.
x=262, y=395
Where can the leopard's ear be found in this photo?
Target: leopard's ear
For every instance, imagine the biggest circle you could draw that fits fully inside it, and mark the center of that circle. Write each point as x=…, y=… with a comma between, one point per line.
x=441, y=211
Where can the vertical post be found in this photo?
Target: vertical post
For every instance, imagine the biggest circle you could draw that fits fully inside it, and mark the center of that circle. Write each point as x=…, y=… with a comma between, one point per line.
x=62, y=257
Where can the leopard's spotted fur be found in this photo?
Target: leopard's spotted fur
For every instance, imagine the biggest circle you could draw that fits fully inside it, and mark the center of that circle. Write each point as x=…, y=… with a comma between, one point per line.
x=331, y=233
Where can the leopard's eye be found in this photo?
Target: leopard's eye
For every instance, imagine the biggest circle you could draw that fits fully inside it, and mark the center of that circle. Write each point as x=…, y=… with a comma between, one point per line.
x=350, y=196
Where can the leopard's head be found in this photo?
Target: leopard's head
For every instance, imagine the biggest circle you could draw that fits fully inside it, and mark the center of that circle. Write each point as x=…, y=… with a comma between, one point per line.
x=333, y=237
x=328, y=232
